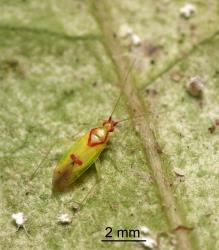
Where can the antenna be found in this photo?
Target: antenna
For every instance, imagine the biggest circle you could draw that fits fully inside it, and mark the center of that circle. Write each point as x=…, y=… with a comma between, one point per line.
x=123, y=80
x=127, y=119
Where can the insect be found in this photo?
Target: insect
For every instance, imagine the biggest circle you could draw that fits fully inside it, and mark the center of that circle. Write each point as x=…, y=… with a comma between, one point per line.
x=84, y=152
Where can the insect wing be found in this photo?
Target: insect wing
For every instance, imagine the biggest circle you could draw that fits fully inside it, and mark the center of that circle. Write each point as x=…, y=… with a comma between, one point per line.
x=68, y=171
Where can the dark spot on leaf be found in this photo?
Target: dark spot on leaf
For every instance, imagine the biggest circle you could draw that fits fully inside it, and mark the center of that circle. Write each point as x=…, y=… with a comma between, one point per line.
x=214, y=126
x=212, y=129
x=68, y=93
x=94, y=84
x=151, y=92
x=151, y=49
x=152, y=61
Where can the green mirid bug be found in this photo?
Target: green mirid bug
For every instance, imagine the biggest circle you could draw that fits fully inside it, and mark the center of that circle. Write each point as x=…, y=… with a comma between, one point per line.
x=81, y=155
x=84, y=152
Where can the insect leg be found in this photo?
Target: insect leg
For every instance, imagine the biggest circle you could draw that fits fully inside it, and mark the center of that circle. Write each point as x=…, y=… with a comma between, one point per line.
x=52, y=146
x=82, y=203
x=42, y=161
x=97, y=165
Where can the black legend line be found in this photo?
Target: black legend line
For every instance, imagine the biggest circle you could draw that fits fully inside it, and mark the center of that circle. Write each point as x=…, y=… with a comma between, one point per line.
x=123, y=240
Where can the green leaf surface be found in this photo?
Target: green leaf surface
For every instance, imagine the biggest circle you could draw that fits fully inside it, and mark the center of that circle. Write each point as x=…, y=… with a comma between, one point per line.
x=61, y=70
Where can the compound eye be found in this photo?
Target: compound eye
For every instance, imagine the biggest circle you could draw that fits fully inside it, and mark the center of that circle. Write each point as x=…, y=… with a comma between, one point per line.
x=111, y=130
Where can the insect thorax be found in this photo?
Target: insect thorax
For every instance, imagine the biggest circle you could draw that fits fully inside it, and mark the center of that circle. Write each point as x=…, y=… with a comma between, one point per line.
x=98, y=136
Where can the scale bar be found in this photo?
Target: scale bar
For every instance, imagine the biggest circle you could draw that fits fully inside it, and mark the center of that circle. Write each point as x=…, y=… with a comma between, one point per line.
x=123, y=240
